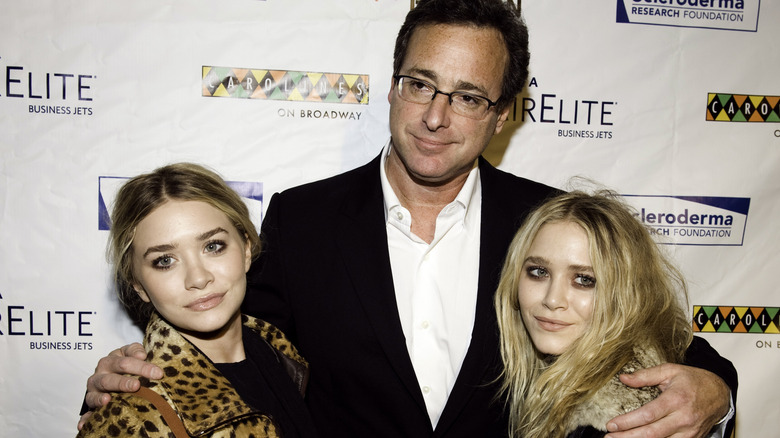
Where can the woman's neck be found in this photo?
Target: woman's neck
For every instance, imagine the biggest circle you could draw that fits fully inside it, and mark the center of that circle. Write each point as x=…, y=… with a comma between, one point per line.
x=222, y=346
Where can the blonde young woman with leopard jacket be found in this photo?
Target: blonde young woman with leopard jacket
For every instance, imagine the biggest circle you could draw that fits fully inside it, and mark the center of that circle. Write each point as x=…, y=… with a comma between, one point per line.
x=181, y=243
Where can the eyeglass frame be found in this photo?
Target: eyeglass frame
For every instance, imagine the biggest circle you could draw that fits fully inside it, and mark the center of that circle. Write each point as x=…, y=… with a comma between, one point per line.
x=436, y=91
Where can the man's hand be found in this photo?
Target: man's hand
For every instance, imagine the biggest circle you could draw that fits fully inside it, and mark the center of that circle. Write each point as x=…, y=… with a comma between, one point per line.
x=108, y=376
x=691, y=402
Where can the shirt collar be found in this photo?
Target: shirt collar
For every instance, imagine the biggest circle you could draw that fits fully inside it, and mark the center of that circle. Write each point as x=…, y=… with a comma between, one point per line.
x=469, y=197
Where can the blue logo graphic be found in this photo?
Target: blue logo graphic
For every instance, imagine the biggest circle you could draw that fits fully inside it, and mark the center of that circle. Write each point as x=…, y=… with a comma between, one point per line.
x=693, y=220
x=252, y=192
x=736, y=15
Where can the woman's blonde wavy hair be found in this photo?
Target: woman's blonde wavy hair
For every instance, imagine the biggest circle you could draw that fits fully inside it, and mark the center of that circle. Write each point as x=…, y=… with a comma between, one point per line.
x=640, y=300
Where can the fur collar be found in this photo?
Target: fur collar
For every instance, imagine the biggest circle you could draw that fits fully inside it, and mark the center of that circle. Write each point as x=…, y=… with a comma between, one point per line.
x=615, y=398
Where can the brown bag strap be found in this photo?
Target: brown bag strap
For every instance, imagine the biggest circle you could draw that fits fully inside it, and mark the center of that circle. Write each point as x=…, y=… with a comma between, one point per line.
x=171, y=419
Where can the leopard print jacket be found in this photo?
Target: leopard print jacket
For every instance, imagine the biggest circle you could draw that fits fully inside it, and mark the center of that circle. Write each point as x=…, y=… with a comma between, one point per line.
x=203, y=398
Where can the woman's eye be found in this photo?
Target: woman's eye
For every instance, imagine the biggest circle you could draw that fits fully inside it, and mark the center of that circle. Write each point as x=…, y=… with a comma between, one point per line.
x=215, y=246
x=163, y=262
x=585, y=281
x=537, y=272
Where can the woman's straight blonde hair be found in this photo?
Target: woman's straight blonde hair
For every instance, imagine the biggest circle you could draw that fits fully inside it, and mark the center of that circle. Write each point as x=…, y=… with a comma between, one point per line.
x=640, y=301
x=141, y=195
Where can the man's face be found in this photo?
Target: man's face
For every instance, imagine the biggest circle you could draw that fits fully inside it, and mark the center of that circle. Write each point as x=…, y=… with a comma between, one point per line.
x=430, y=141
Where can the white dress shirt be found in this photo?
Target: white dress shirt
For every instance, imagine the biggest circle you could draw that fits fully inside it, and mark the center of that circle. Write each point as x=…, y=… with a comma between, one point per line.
x=436, y=286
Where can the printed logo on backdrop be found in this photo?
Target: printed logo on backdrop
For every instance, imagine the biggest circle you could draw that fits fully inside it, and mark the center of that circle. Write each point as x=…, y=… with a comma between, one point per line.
x=588, y=117
x=692, y=220
x=735, y=319
x=724, y=107
x=515, y=4
x=108, y=186
x=706, y=14
x=51, y=92
x=290, y=86
x=46, y=329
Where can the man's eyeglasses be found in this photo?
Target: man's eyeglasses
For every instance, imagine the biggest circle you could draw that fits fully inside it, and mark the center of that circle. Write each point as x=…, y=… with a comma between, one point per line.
x=465, y=104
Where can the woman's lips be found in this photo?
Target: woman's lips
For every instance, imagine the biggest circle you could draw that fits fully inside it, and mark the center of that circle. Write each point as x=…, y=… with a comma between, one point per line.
x=208, y=302
x=551, y=325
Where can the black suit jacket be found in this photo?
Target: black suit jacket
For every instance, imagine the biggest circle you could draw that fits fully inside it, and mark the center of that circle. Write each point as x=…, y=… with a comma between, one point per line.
x=324, y=278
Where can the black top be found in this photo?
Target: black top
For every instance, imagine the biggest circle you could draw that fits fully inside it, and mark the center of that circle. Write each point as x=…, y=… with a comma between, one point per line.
x=263, y=384
x=586, y=432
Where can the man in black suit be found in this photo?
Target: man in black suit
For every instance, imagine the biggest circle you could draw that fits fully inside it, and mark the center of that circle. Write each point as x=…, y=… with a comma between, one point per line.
x=383, y=276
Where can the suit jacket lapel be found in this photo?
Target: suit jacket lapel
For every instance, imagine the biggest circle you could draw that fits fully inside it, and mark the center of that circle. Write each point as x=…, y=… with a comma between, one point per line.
x=362, y=240
x=496, y=231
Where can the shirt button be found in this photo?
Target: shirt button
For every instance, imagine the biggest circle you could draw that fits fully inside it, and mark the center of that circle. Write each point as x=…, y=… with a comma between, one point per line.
x=426, y=389
x=425, y=324
x=399, y=215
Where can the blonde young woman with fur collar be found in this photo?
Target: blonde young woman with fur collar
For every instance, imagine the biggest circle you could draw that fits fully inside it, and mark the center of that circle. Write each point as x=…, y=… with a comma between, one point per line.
x=585, y=295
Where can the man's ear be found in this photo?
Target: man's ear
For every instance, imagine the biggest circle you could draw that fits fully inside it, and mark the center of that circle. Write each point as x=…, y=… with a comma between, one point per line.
x=139, y=289
x=392, y=90
x=502, y=118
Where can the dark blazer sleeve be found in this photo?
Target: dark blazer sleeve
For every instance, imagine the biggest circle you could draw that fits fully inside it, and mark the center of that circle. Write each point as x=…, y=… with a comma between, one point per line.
x=700, y=354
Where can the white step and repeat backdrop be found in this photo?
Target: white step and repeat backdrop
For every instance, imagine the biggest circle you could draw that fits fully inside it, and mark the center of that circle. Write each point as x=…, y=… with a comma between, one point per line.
x=673, y=102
